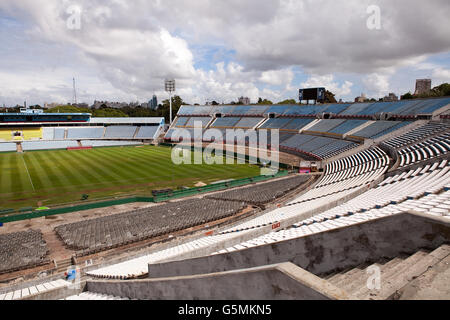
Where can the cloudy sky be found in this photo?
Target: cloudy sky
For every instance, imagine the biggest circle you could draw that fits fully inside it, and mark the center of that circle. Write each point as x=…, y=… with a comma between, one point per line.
x=122, y=50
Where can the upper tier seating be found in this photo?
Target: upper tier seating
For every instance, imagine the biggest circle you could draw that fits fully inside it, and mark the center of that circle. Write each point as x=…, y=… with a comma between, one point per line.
x=194, y=110
x=85, y=133
x=203, y=120
x=417, y=134
x=181, y=121
x=248, y=123
x=276, y=123
x=247, y=110
x=320, y=146
x=380, y=128
x=120, y=132
x=59, y=133
x=48, y=133
x=297, y=124
x=228, y=122
x=347, y=126
x=21, y=134
x=326, y=125
x=147, y=132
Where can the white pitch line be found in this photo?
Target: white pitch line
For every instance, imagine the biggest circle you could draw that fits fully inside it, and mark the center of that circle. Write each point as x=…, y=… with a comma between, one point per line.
x=29, y=177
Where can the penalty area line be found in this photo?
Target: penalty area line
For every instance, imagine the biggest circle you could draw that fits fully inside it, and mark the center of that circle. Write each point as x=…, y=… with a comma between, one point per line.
x=29, y=177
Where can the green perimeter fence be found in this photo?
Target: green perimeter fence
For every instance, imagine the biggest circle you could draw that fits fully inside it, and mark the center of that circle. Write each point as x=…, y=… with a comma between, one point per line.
x=159, y=198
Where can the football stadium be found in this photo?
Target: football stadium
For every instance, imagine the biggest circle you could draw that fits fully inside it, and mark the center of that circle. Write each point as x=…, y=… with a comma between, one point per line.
x=360, y=188
x=219, y=159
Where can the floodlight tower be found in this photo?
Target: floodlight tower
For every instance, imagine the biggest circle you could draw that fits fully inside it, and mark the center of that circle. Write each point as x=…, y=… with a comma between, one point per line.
x=170, y=87
x=74, y=92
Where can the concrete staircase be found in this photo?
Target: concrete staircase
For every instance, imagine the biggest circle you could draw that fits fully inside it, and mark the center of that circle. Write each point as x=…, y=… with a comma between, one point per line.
x=62, y=265
x=94, y=296
x=19, y=147
x=395, y=275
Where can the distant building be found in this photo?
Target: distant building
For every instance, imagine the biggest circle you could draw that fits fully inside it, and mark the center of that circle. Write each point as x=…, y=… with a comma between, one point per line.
x=244, y=100
x=153, y=103
x=391, y=97
x=81, y=105
x=114, y=105
x=423, y=86
x=360, y=99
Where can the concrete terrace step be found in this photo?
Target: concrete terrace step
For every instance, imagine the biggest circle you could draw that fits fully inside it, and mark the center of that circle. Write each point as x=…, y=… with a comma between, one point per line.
x=390, y=273
x=433, y=284
x=358, y=277
x=395, y=282
x=94, y=296
x=338, y=278
x=356, y=280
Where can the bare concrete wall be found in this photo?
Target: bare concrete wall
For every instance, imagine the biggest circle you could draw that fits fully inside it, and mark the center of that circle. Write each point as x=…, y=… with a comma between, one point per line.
x=283, y=281
x=328, y=251
x=58, y=293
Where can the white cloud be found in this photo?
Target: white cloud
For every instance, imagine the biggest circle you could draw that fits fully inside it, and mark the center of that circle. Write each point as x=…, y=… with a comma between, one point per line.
x=133, y=45
x=282, y=77
x=441, y=75
x=328, y=81
x=377, y=85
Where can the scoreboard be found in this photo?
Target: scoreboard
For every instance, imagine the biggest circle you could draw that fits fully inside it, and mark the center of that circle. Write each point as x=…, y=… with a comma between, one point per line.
x=317, y=94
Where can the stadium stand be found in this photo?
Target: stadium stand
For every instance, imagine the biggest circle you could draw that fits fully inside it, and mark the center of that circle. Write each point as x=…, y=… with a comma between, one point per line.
x=417, y=134
x=36, y=289
x=181, y=121
x=353, y=190
x=47, y=145
x=175, y=134
x=297, y=124
x=5, y=135
x=7, y=147
x=380, y=128
x=120, y=132
x=59, y=133
x=347, y=126
x=194, y=110
x=229, y=122
x=112, y=231
x=147, y=132
x=355, y=109
x=203, y=120
x=48, y=133
x=247, y=123
x=338, y=183
x=320, y=147
x=326, y=125
x=31, y=133
x=105, y=143
x=428, y=149
x=85, y=133
x=22, y=250
x=276, y=123
x=262, y=193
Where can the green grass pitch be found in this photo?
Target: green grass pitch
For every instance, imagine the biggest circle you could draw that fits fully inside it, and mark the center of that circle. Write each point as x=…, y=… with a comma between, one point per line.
x=60, y=176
